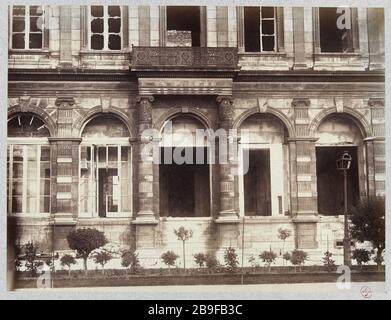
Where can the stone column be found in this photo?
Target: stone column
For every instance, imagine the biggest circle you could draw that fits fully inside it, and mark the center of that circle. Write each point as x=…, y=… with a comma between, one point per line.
x=299, y=38
x=227, y=213
x=376, y=38
x=304, y=191
x=145, y=214
x=65, y=36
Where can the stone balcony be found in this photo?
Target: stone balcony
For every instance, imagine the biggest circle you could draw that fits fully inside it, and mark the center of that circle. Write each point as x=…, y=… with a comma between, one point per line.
x=184, y=58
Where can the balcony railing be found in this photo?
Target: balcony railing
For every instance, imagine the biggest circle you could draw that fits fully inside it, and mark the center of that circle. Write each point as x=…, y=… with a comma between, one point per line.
x=185, y=57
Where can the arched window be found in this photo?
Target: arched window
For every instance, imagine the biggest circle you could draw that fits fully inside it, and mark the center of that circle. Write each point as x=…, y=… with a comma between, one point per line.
x=336, y=134
x=184, y=182
x=264, y=153
x=105, y=169
x=28, y=165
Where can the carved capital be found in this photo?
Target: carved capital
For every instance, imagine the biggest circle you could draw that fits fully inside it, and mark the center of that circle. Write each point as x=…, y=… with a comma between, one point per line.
x=24, y=102
x=376, y=102
x=145, y=108
x=64, y=102
x=226, y=108
x=301, y=102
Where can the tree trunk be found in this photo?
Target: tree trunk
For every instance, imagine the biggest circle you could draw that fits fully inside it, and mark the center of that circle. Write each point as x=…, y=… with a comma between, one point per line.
x=184, y=259
x=85, y=265
x=378, y=254
x=103, y=269
x=69, y=271
x=169, y=269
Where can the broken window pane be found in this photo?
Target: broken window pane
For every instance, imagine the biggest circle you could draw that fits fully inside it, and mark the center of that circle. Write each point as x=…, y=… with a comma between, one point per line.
x=114, y=11
x=18, y=41
x=36, y=11
x=180, y=18
x=35, y=24
x=35, y=40
x=18, y=10
x=18, y=24
x=268, y=43
x=114, y=42
x=97, y=42
x=114, y=25
x=97, y=11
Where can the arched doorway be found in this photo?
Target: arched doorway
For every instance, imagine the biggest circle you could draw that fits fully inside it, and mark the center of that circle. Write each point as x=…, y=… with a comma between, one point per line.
x=105, y=188
x=28, y=165
x=337, y=133
x=184, y=170
x=264, y=185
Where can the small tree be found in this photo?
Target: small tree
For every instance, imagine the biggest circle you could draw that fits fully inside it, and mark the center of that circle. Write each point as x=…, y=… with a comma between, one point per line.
x=328, y=262
x=130, y=259
x=287, y=256
x=200, y=259
x=268, y=257
x=30, y=254
x=68, y=260
x=102, y=257
x=284, y=234
x=169, y=259
x=211, y=262
x=183, y=235
x=361, y=256
x=368, y=224
x=298, y=258
x=84, y=241
x=231, y=259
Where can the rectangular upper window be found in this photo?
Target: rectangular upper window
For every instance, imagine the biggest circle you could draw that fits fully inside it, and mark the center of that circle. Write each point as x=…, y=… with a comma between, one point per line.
x=335, y=30
x=105, y=27
x=27, y=27
x=260, y=29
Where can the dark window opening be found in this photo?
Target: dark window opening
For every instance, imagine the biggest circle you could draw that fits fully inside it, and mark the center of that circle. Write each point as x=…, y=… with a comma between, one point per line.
x=259, y=29
x=27, y=125
x=105, y=28
x=332, y=38
x=330, y=180
x=183, y=26
x=184, y=188
x=257, y=184
x=108, y=185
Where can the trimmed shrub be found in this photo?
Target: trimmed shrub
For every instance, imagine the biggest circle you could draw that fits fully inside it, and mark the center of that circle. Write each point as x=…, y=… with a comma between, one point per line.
x=169, y=259
x=200, y=259
x=298, y=258
x=268, y=257
x=361, y=256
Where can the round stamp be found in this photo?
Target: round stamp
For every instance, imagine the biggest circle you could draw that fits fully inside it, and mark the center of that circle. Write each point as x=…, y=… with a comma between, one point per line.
x=366, y=292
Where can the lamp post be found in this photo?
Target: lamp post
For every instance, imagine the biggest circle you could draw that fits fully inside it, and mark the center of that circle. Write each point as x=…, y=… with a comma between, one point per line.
x=343, y=164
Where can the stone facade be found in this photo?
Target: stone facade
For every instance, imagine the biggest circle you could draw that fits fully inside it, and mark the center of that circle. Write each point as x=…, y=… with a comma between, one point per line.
x=220, y=85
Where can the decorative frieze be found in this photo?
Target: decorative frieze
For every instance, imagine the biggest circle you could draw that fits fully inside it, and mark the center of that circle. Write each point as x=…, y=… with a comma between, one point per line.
x=185, y=86
x=190, y=57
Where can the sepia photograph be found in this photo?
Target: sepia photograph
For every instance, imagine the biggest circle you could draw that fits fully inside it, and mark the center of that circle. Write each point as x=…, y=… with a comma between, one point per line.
x=172, y=146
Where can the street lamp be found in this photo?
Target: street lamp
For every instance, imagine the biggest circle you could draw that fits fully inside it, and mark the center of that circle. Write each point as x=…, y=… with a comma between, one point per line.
x=343, y=164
